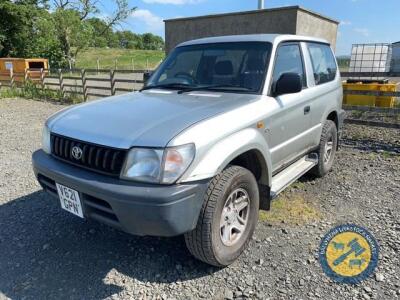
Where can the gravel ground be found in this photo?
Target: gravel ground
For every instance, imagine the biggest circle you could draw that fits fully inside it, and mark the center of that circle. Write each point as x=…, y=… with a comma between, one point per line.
x=46, y=253
x=393, y=118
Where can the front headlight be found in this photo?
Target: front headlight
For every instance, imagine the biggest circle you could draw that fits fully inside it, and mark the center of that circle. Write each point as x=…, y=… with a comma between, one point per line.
x=156, y=165
x=143, y=165
x=46, y=146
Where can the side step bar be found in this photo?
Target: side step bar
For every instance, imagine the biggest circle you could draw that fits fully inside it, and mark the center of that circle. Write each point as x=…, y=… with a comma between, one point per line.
x=286, y=177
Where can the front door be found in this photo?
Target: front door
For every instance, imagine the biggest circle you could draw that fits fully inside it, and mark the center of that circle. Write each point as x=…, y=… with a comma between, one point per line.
x=289, y=126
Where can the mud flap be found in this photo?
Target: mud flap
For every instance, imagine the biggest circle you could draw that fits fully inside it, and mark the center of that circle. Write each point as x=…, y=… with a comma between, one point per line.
x=265, y=197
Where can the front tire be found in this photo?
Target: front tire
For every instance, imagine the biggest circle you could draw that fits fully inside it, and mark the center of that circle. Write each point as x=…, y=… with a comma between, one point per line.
x=327, y=149
x=227, y=219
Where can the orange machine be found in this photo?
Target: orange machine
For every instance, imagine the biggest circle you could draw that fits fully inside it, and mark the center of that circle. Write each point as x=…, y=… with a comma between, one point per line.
x=18, y=67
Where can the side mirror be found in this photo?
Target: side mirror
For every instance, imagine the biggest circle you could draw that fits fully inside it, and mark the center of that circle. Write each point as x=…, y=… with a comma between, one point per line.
x=146, y=76
x=288, y=83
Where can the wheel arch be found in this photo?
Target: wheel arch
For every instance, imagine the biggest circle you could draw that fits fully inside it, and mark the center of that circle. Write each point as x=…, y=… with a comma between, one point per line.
x=334, y=116
x=254, y=161
x=242, y=148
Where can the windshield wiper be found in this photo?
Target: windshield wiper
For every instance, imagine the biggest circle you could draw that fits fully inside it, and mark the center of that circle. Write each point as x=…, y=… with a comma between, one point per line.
x=216, y=87
x=167, y=86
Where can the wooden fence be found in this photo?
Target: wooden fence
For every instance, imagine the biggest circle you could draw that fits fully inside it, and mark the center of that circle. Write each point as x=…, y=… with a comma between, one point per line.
x=85, y=82
x=104, y=82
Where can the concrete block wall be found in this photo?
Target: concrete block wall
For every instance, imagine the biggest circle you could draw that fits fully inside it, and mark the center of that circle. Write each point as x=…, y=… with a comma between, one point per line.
x=285, y=20
x=315, y=25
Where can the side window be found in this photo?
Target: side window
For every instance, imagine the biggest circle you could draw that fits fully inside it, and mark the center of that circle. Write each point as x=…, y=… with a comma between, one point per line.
x=289, y=60
x=323, y=61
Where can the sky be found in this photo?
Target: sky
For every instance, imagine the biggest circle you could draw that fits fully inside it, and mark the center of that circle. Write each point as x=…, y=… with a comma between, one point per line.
x=361, y=21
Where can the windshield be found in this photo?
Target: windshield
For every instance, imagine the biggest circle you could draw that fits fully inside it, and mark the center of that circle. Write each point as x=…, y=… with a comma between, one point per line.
x=234, y=66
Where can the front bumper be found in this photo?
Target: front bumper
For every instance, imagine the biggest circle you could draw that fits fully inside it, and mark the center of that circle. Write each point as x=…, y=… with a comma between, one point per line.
x=140, y=209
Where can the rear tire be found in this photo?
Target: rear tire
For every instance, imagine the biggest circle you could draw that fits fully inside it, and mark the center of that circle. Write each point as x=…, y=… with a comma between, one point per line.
x=227, y=219
x=327, y=149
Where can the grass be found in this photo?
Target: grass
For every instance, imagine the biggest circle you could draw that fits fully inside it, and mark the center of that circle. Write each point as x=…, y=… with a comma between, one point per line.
x=88, y=58
x=385, y=154
x=290, y=210
x=30, y=90
x=372, y=155
x=357, y=114
x=298, y=185
x=343, y=63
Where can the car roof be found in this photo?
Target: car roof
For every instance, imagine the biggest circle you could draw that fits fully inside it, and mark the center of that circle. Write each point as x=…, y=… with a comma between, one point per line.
x=272, y=38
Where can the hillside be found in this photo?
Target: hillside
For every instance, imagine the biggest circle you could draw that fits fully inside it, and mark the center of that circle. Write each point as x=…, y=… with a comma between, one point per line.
x=88, y=58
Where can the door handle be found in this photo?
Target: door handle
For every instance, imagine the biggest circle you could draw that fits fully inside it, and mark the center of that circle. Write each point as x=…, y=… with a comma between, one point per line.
x=307, y=109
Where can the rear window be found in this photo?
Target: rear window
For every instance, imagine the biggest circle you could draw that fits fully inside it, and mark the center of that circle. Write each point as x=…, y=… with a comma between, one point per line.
x=323, y=62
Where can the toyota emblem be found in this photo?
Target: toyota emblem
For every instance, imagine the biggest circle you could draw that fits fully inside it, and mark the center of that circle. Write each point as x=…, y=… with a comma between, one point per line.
x=76, y=152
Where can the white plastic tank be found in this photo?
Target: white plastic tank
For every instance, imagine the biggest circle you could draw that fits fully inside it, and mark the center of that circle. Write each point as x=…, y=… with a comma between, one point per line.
x=370, y=58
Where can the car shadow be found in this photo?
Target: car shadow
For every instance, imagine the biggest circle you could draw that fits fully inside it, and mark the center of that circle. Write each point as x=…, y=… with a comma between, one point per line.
x=48, y=253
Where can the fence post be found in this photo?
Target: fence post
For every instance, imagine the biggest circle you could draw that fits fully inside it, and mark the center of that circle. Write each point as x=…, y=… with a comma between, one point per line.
x=42, y=78
x=25, y=76
x=98, y=66
x=84, y=86
x=112, y=81
x=70, y=66
x=116, y=64
x=11, y=78
x=61, y=81
x=147, y=64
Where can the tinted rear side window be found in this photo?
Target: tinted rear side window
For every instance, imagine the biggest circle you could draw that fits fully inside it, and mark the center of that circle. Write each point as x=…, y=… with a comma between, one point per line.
x=323, y=61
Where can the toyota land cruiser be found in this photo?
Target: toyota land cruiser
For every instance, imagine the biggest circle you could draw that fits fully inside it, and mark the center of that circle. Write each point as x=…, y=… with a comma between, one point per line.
x=221, y=127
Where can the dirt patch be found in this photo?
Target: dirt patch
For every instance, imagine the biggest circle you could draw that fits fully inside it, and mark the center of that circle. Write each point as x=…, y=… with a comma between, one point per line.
x=291, y=209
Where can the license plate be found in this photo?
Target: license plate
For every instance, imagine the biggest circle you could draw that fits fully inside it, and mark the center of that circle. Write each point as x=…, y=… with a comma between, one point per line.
x=70, y=200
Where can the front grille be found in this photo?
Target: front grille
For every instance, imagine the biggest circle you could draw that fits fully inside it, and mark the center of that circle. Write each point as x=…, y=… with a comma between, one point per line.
x=48, y=184
x=94, y=157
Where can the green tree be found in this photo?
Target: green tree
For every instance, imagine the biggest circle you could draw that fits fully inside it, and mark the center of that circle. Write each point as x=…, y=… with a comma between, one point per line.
x=75, y=32
x=46, y=43
x=103, y=35
x=17, y=26
x=129, y=40
x=28, y=30
x=148, y=41
x=152, y=42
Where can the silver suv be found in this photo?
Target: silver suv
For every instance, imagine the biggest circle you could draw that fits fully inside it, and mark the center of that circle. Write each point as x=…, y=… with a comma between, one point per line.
x=221, y=127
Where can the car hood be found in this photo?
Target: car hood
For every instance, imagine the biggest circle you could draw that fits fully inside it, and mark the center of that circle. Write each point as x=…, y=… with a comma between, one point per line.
x=150, y=118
